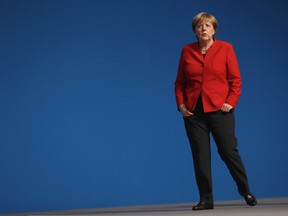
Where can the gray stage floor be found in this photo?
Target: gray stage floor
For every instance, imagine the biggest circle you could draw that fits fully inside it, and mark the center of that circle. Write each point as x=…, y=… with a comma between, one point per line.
x=265, y=207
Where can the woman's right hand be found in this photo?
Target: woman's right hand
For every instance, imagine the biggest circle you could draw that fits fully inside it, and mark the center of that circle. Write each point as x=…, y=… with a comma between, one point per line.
x=184, y=111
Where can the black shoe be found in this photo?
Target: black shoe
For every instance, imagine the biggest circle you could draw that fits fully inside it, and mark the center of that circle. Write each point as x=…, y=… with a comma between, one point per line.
x=250, y=199
x=203, y=206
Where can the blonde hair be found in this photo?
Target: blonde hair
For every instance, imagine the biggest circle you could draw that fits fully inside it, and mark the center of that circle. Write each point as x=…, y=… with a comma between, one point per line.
x=204, y=16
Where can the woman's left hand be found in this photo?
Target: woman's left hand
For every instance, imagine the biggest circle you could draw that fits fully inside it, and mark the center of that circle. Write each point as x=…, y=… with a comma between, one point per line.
x=226, y=107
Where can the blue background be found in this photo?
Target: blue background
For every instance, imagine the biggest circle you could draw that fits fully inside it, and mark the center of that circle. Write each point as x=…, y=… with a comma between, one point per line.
x=87, y=109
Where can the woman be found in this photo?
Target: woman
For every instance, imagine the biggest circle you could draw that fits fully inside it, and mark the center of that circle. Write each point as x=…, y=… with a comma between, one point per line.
x=207, y=89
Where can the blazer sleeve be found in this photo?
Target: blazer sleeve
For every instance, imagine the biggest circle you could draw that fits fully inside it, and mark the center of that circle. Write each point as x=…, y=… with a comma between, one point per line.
x=233, y=77
x=179, y=83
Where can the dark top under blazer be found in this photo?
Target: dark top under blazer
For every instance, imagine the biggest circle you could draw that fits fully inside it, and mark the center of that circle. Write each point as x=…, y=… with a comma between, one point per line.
x=217, y=77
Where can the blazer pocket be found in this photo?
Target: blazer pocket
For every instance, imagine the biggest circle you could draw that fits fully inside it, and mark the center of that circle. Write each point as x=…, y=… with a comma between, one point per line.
x=219, y=98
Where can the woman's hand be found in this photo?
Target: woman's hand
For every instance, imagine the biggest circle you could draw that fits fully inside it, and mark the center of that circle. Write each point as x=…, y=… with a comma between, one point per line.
x=226, y=107
x=184, y=110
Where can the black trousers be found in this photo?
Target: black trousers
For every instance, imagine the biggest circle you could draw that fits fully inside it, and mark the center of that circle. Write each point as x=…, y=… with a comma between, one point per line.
x=222, y=127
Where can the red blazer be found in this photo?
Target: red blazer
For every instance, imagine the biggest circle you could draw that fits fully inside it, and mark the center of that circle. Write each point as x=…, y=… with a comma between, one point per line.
x=217, y=76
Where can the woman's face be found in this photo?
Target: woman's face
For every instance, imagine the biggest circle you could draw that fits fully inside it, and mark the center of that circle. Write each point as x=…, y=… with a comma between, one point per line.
x=204, y=31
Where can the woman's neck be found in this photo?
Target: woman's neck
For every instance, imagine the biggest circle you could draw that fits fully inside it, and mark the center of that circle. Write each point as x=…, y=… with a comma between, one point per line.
x=205, y=45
